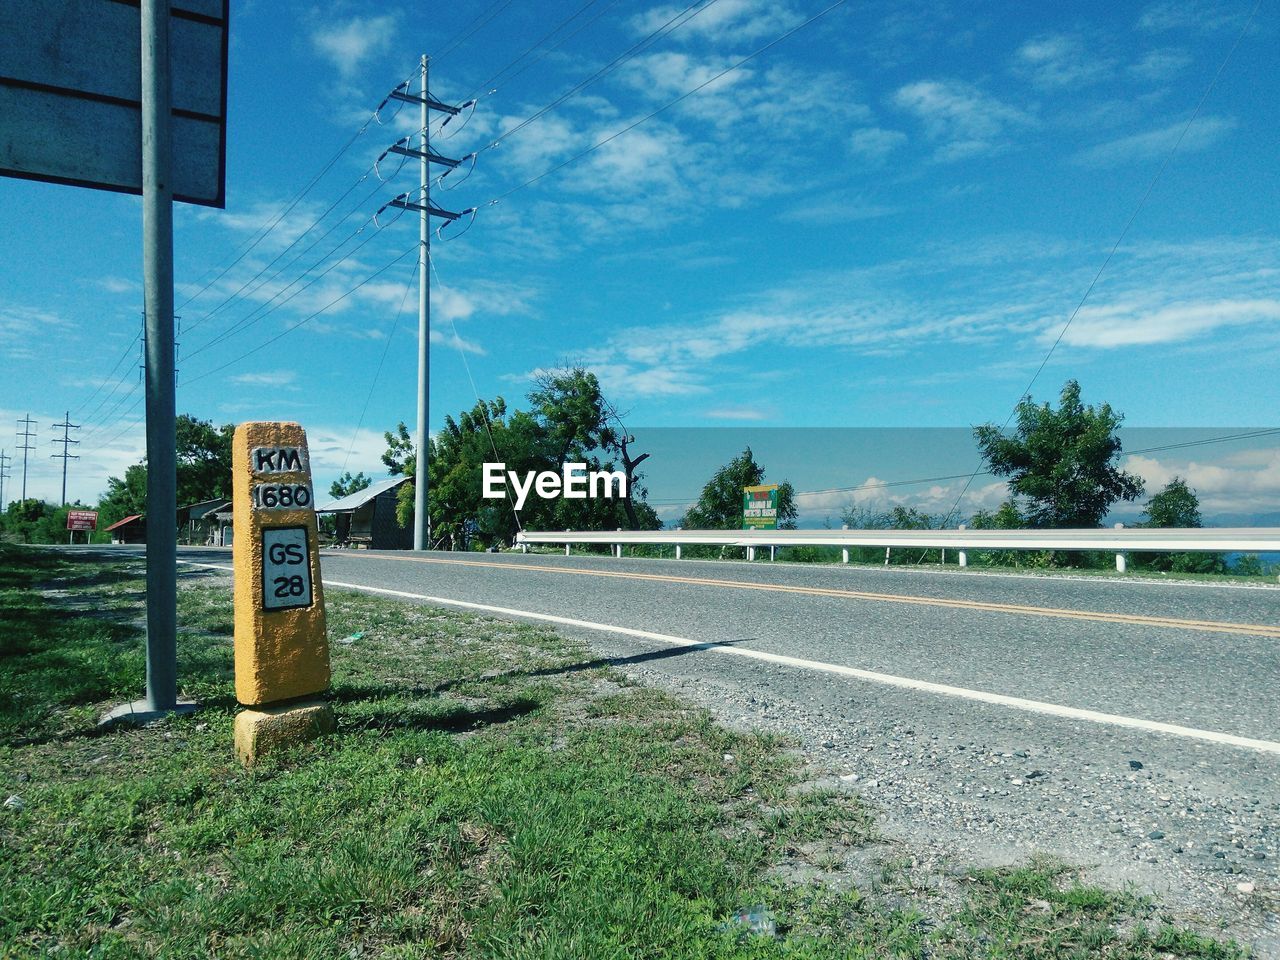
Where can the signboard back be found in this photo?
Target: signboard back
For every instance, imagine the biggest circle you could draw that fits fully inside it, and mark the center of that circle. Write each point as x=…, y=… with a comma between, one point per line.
x=71, y=102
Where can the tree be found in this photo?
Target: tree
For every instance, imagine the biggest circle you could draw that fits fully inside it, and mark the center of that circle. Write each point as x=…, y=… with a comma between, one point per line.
x=34, y=521
x=1249, y=565
x=570, y=422
x=203, y=459
x=1061, y=461
x=572, y=413
x=25, y=521
x=584, y=426
x=400, y=457
x=202, y=465
x=1178, y=506
x=720, y=505
x=484, y=434
x=346, y=484
x=1175, y=506
x=124, y=498
x=1006, y=517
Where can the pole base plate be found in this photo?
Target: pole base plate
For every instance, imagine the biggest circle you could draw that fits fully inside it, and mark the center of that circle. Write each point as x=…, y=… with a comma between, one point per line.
x=140, y=714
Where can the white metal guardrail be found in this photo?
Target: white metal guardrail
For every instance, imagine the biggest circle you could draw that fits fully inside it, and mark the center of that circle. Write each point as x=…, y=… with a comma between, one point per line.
x=1122, y=540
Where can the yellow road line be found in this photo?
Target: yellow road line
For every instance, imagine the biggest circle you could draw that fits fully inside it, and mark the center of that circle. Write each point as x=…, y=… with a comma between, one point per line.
x=1097, y=616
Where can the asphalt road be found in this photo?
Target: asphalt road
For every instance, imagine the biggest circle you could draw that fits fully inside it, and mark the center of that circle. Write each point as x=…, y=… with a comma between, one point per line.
x=975, y=772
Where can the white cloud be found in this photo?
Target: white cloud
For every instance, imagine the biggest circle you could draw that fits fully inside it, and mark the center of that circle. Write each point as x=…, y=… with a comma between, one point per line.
x=268, y=217
x=273, y=378
x=451, y=303
x=455, y=342
x=1129, y=324
x=875, y=143
x=669, y=73
x=835, y=208
x=22, y=327
x=632, y=380
x=875, y=494
x=1200, y=16
x=1158, y=65
x=1204, y=133
x=1154, y=294
x=1250, y=484
x=347, y=44
x=965, y=121
x=1059, y=61
x=727, y=21
x=536, y=147
x=736, y=413
x=783, y=100
x=119, y=285
x=640, y=160
x=335, y=449
x=627, y=379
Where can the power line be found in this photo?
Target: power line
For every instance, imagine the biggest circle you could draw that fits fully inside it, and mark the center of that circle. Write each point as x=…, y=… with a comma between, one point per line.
x=373, y=384
x=1168, y=157
x=617, y=61
x=108, y=417
x=1199, y=443
x=106, y=379
x=499, y=76
x=307, y=319
x=104, y=419
x=132, y=425
x=484, y=412
x=469, y=31
x=250, y=244
x=124, y=378
x=298, y=239
x=262, y=311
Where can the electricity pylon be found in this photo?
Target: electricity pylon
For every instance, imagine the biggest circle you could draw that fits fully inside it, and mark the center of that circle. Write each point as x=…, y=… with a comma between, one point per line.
x=426, y=210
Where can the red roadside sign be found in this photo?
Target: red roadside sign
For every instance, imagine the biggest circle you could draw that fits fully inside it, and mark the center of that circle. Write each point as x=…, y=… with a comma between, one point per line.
x=82, y=519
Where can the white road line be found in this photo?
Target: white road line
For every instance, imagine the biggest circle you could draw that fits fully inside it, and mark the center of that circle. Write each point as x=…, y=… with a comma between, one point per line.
x=888, y=679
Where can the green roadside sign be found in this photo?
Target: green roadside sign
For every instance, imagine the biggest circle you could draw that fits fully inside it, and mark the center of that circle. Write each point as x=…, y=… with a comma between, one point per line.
x=760, y=507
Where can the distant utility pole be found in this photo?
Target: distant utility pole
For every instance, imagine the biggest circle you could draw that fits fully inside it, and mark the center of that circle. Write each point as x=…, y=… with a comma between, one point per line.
x=67, y=426
x=4, y=475
x=26, y=435
x=426, y=103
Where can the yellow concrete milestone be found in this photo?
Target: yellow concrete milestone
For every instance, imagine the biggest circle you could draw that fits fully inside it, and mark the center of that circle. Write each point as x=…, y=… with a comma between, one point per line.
x=258, y=732
x=281, y=651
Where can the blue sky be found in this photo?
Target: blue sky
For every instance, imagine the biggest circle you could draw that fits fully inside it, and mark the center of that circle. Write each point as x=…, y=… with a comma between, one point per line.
x=883, y=221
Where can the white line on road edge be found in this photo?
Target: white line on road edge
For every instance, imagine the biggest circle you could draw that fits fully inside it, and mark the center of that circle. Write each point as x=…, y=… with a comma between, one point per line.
x=888, y=679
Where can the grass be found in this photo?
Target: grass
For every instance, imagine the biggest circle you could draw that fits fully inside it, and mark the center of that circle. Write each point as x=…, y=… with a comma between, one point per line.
x=492, y=791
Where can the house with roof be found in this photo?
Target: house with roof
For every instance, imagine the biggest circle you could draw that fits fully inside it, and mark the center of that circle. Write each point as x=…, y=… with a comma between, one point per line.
x=129, y=530
x=207, y=522
x=367, y=518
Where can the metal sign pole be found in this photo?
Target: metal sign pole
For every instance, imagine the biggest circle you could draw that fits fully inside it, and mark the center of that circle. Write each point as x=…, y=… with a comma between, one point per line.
x=157, y=279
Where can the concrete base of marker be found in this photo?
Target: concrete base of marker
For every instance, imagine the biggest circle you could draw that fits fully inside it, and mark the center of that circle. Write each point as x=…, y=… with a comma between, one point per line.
x=139, y=713
x=260, y=730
